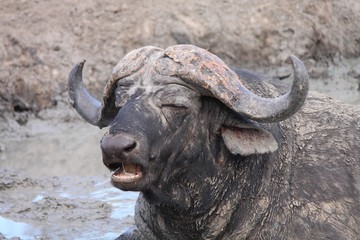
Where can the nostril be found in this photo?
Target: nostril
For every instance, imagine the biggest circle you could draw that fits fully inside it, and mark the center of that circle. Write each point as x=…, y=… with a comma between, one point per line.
x=130, y=148
x=117, y=145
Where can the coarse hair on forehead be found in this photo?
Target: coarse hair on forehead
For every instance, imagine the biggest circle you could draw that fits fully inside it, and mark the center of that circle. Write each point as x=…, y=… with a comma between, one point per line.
x=128, y=65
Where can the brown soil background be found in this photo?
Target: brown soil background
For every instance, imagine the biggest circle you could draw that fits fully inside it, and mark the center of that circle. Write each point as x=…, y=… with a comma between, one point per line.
x=51, y=175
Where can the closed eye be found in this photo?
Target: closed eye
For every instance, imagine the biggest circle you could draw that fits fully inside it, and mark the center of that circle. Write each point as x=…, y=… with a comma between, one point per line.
x=179, y=106
x=174, y=114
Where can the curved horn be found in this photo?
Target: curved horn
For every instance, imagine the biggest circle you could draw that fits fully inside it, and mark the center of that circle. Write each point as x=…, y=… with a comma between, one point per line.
x=212, y=77
x=280, y=108
x=85, y=104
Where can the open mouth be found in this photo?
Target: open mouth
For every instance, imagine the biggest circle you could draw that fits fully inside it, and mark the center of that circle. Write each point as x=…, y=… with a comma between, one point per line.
x=127, y=173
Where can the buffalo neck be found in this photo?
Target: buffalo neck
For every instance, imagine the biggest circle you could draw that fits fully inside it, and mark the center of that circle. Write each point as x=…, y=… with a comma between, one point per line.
x=211, y=213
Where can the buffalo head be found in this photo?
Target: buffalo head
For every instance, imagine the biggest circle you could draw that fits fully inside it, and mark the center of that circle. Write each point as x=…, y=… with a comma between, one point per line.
x=176, y=114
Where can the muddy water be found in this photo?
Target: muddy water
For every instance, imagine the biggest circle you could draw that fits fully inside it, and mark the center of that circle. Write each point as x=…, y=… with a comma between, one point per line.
x=53, y=184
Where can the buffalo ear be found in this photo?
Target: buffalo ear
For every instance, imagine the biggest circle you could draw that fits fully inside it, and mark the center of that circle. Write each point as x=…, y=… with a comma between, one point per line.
x=247, y=139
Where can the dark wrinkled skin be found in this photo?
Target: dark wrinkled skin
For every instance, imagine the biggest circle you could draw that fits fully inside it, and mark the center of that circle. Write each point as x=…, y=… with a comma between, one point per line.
x=197, y=189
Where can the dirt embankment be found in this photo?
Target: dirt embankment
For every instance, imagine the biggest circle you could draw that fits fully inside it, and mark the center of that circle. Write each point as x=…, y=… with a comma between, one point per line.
x=41, y=41
x=52, y=182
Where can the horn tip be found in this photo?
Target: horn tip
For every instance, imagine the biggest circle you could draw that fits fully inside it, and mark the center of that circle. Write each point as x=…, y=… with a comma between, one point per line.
x=74, y=81
x=295, y=61
x=298, y=67
x=292, y=59
x=80, y=65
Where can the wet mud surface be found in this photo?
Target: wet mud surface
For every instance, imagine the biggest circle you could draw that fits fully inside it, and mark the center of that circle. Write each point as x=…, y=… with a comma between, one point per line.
x=53, y=184
x=63, y=208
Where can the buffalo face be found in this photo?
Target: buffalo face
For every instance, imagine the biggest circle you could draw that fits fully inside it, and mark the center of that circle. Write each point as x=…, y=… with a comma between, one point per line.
x=149, y=133
x=166, y=134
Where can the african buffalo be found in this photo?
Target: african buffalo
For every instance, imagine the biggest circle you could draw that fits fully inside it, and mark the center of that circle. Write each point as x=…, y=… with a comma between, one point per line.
x=218, y=155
